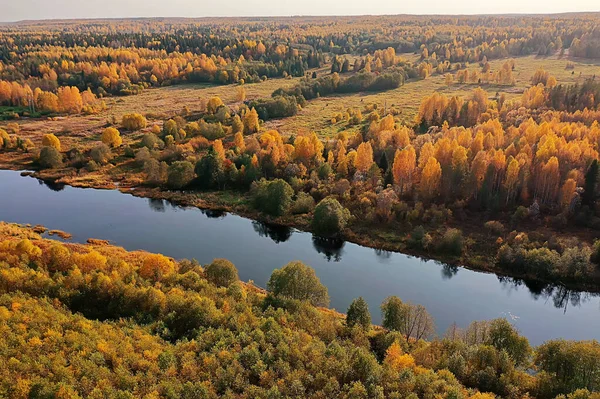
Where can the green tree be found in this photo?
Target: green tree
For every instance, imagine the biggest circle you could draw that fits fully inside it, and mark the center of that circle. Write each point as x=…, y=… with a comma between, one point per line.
x=180, y=174
x=209, y=170
x=221, y=273
x=358, y=313
x=272, y=197
x=298, y=281
x=503, y=336
x=591, y=182
x=330, y=217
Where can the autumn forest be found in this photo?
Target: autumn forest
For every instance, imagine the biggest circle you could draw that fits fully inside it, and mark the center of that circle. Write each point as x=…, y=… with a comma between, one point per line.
x=470, y=140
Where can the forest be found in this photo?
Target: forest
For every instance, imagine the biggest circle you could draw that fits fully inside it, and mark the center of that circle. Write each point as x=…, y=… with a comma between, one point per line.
x=471, y=140
x=96, y=321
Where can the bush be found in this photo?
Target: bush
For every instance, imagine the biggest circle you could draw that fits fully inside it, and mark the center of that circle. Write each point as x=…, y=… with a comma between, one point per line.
x=272, y=197
x=50, y=140
x=180, y=174
x=298, y=281
x=101, y=154
x=221, y=273
x=50, y=158
x=133, y=121
x=151, y=141
x=451, y=242
x=304, y=203
x=330, y=217
x=494, y=227
x=111, y=137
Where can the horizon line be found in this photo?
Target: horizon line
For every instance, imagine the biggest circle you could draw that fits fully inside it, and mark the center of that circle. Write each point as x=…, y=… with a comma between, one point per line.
x=508, y=14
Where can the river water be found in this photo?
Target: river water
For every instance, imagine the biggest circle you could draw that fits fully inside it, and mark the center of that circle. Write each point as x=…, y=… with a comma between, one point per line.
x=450, y=294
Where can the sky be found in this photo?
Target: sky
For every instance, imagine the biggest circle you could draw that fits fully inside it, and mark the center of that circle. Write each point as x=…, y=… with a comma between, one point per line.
x=16, y=10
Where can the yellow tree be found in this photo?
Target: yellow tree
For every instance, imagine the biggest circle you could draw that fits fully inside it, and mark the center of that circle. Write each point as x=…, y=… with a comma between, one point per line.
x=511, y=179
x=250, y=120
x=219, y=150
x=364, y=157
x=111, y=137
x=431, y=178
x=404, y=166
x=397, y=359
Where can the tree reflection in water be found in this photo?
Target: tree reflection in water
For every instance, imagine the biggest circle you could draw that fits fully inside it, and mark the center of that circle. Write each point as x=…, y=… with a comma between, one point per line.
x=332, y=248
x=448, y=271
x=156, y=204
x=214, y=213
x=275, y=232
x=560, y=296
x=52, y=185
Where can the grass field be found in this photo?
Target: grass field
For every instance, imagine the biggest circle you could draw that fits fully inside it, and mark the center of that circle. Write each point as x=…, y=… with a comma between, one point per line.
x=316, y=116
x=161, y=103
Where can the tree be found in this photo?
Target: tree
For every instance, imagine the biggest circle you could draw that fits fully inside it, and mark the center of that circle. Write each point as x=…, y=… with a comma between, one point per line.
x=396, y=359
x=431, y=178
x=503, y=336
x=213, y=104
x=364, y=157
x=180, y=174
x=591, y=183
x=209, y=170
x=273, y=197
x=50, y=158
x=111, y=137
x=410, y=320
x=155, y=267
x=50, y=140
x=298, y=281
x=404, y=166
x=221, y=273
x=250, y=120
x=330, y=218
x=358, y=314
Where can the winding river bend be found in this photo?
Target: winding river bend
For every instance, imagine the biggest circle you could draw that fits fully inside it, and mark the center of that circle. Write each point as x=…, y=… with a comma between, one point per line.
x=348, y=270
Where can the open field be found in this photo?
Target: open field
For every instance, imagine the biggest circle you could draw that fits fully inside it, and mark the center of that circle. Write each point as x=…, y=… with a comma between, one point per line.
x=316, y=116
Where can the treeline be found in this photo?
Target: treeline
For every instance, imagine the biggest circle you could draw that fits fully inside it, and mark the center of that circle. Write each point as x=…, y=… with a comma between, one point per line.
x=97, y=321
x=309, y=89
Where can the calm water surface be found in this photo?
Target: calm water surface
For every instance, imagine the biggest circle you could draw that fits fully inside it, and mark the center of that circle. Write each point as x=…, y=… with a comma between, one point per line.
x=348, y=270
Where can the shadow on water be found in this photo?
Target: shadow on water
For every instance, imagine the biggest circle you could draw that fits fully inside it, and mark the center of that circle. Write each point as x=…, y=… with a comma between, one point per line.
x=157, y=205
x=560, y=296
x=331, y=248
x=275, y=232
x=213, y=213
x=52, y=185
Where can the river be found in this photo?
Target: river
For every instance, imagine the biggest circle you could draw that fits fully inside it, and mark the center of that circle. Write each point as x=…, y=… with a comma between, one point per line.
x=451, y=294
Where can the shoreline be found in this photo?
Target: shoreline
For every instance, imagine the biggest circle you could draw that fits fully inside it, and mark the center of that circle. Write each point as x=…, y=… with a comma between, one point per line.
x=191, y=199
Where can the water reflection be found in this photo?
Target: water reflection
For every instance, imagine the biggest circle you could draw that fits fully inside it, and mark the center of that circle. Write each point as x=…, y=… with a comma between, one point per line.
x=332, y=248
x=560, y=296
x=157, y=205
x=383, y=255
x=52, y=185
x=275, y=232
x=214, y=213
x=448, y=271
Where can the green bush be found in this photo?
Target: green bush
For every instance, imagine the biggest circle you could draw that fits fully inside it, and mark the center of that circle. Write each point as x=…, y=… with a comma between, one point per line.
x=272, y=197
x=50, y=158
x=330, y=217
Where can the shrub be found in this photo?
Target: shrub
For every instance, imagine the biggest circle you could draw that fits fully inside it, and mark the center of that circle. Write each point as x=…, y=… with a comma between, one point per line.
x=304, y=203
x=330, y=217
x=494, y=227
x=151, y=141
x=133, y=121
x=451, y=242
x=50, y=158
x=111, y=137
x=50, y=140
x=221, y=273
x=180, y=174
x=298, y=281
x=101, y=154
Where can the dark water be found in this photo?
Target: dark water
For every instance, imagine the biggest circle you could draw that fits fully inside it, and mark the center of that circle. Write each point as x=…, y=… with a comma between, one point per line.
x=348, y=270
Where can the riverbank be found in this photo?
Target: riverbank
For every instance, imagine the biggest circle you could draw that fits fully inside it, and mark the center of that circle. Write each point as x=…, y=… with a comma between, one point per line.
x=479, y=254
